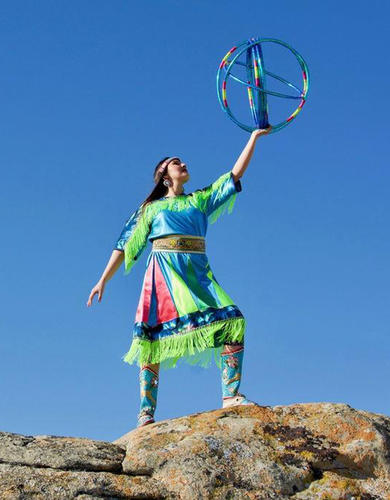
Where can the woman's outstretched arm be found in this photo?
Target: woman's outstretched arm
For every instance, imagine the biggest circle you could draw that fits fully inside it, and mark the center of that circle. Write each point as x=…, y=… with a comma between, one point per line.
x=246, y=155
x=112, y=266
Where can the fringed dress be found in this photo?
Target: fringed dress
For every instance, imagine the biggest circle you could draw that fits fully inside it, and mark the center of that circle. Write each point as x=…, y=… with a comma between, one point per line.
x=183, y=312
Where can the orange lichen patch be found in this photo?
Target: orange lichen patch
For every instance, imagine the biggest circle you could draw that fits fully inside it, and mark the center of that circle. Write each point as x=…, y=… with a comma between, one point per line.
x=206, y=421
x=334, y=425
x=198, y=447
x=136, y=480
x=344, y=431
x=126, y=484
x=160, y=439
x=334, y=433
x=258, y=415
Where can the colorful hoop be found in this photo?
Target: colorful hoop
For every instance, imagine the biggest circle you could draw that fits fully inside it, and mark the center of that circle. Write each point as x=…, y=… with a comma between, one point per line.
x=256, y=72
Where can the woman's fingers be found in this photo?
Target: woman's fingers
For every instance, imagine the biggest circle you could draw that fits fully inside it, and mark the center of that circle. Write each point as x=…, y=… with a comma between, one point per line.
x=97, y=289
x=91, y=296
x=266, y=130
x=261, y=131
x=101, y=290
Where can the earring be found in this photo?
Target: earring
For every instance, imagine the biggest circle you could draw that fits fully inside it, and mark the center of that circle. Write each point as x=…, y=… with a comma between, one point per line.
x=166, y=183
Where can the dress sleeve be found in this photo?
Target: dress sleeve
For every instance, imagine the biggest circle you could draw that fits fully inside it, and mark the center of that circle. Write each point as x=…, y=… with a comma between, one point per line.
x=219, y=196
x=133, y=238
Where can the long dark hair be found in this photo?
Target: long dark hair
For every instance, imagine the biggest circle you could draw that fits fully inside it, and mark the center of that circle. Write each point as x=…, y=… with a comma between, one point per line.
x=160, y=189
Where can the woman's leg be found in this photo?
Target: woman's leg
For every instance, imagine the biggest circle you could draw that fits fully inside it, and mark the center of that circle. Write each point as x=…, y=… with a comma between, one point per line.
x=149, y=380
x=232, y=359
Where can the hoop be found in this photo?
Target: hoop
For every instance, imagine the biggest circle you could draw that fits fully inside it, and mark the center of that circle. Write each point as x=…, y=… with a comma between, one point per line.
x=256, y=81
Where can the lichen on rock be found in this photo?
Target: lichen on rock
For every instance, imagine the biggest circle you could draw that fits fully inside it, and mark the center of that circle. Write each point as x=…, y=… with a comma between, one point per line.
x=299, y=451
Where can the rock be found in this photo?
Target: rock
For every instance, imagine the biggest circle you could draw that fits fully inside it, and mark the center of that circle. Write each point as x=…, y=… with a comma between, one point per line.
x=23, y=482
x=299, y=451
x=55, y=467
x=66, y=453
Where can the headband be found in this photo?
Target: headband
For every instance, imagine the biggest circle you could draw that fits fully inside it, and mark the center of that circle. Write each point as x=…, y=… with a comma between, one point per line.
x=166, y=162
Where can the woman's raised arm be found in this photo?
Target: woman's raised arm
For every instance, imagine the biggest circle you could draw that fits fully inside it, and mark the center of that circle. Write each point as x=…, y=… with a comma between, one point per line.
x=246, y=155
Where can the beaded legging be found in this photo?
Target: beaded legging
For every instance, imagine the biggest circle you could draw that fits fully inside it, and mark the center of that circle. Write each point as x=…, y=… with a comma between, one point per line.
x=232, y=358
x=231, y=366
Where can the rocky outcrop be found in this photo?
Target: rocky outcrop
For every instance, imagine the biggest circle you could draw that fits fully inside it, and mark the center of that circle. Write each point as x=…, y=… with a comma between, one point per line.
x=299, y=451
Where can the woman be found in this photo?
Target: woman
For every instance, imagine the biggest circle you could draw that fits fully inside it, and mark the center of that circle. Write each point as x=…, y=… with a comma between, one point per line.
x=183, y=312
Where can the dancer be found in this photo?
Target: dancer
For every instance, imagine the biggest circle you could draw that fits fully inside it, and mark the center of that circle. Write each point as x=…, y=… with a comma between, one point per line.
x=183, y=312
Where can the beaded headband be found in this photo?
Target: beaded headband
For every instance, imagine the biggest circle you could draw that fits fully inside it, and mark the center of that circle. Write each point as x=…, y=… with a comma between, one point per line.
x=166, y=162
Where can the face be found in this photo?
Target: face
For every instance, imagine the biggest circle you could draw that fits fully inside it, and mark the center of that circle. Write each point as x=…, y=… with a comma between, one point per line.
x=177, y=170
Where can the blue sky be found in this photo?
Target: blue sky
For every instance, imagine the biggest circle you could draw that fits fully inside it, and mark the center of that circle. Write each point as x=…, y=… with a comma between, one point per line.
x=93, y=95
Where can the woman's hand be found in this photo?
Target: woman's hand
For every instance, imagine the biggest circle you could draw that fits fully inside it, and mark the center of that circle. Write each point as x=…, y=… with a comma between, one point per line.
x=261, y=131
x=114, y=263
x=97, y=289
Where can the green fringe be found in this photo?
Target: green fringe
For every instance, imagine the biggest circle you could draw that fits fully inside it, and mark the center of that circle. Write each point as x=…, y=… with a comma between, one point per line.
x=140, y=233
x=202, y=195
x=227, y=205
x=196, y=347
x=137, y=240
x=199, y=199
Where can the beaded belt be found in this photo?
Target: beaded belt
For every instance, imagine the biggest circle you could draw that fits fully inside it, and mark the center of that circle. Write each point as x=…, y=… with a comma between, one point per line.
x=178, y=243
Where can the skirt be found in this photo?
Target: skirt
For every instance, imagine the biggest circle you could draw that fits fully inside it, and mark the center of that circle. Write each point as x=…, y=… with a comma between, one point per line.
x=183, y=312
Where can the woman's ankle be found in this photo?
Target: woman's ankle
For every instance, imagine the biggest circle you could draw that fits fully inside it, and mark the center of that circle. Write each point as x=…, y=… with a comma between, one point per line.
x=231, y=348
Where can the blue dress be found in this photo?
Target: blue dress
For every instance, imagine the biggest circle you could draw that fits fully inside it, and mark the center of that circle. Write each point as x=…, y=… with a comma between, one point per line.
x=183, y=312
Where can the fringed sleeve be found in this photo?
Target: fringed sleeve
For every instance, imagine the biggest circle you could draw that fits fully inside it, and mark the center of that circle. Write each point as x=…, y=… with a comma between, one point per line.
x=218, y=197
x=134, y=237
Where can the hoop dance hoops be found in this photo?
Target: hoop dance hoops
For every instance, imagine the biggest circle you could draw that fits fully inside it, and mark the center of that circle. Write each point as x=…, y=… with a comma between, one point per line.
x=256, y=72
